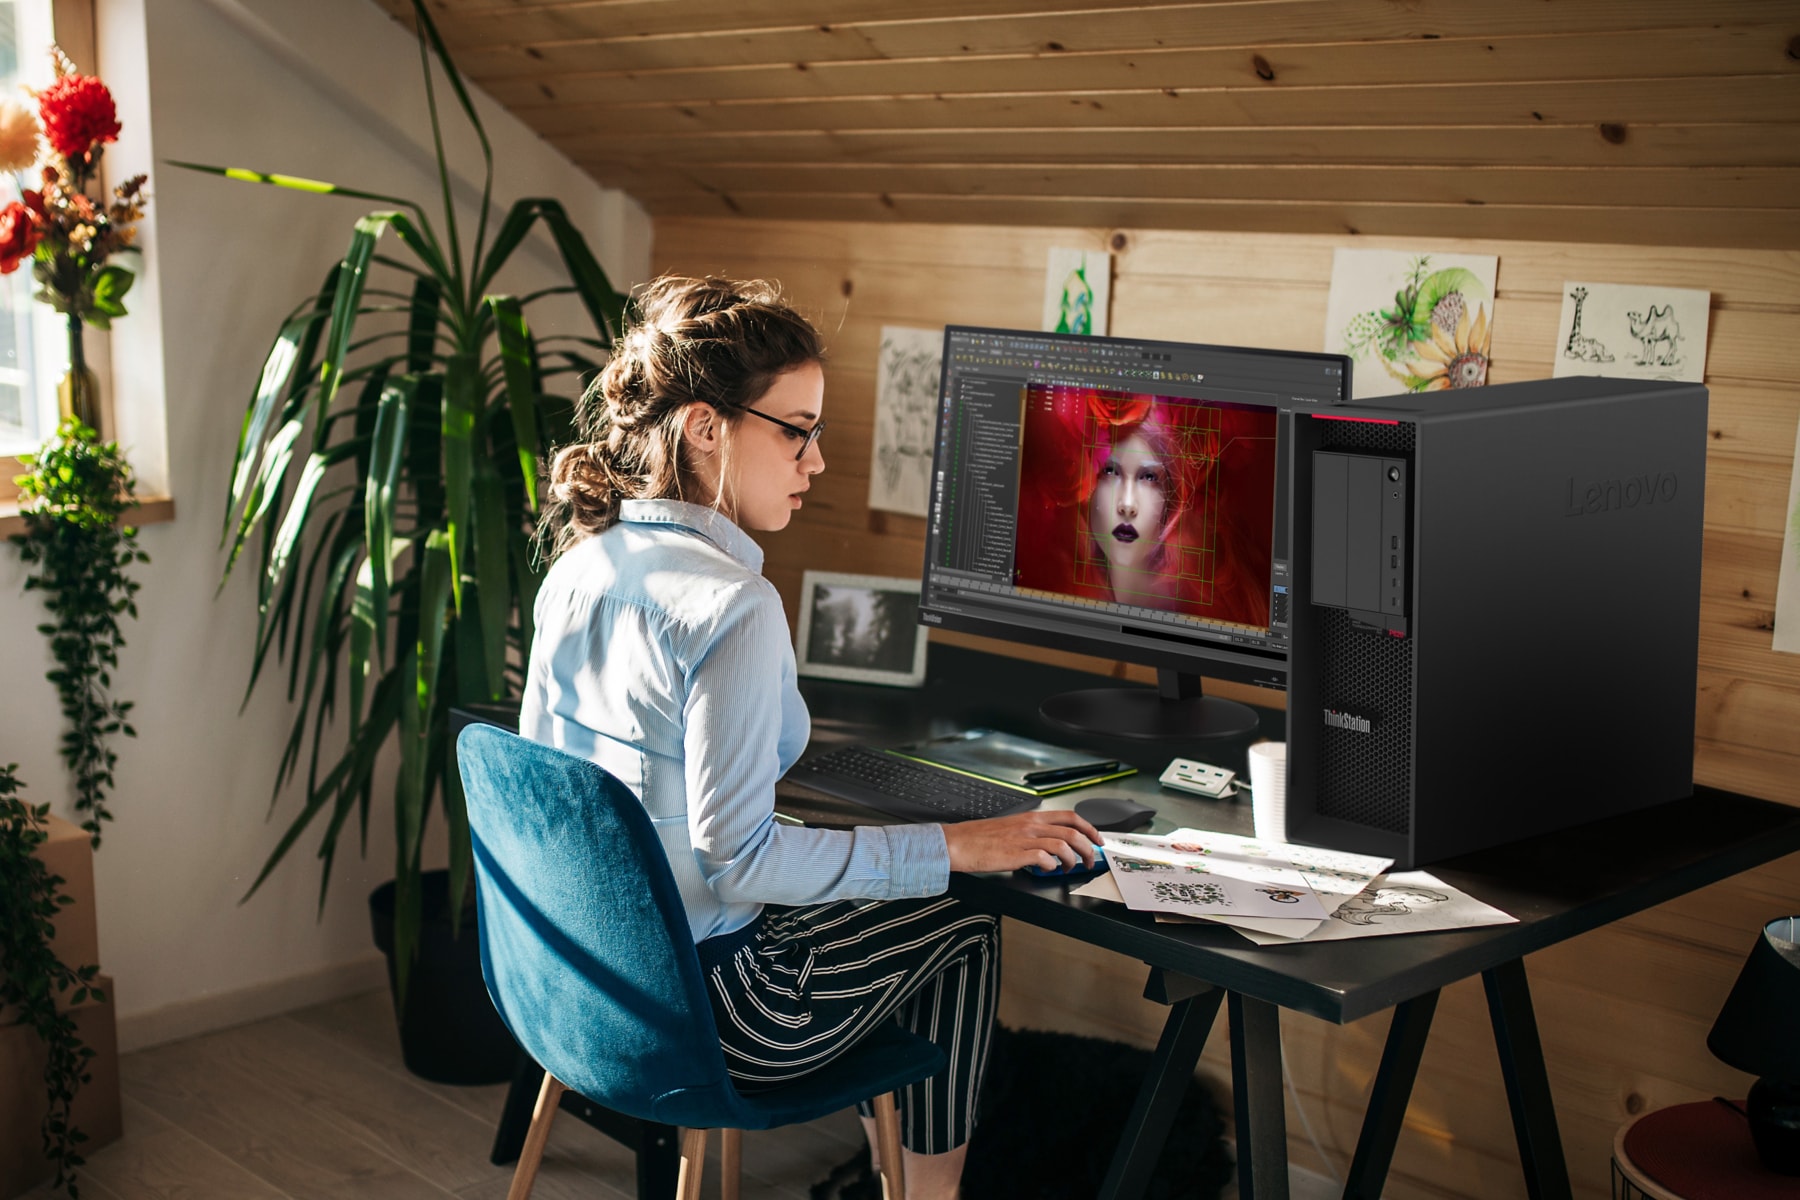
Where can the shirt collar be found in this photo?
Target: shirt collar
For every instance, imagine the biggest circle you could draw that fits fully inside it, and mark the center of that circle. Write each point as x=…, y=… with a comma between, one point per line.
x=709, y=523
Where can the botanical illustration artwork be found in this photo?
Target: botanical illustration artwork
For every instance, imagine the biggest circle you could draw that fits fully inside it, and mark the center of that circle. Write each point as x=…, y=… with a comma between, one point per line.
x=906, y=394
x=1412, y=322
x=1787, y=584
x=1632, y=331
x=1077, y=291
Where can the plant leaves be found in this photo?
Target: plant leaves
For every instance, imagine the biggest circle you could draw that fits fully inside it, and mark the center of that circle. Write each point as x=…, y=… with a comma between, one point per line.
x=461, y=408
x=516, y=362
x=492, y=578
x=386, y=456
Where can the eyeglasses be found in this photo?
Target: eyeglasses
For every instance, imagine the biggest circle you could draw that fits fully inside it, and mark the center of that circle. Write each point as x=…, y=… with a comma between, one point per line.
x=807, y=436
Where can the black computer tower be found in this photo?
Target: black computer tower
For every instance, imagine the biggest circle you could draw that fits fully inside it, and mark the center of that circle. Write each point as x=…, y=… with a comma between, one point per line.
x=1496, y=598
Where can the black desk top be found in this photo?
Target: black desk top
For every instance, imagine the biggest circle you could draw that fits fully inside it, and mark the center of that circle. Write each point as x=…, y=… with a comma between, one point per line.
x=1558, y=885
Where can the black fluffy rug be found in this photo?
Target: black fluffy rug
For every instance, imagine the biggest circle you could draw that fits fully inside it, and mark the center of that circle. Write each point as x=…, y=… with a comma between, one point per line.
x=1052, y=1109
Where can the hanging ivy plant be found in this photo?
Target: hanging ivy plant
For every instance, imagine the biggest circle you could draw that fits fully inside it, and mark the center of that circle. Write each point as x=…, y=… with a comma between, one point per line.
x=75, y=491
x=32, y=978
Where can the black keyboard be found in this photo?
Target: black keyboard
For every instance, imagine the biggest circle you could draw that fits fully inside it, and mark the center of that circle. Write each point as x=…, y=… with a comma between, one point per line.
x=905, y=788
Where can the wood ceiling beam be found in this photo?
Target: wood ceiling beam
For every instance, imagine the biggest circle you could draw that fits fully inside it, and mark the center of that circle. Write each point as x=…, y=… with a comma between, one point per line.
x=1766, y=187
x=1664, y=53
x=1247, y=24
x=1777, y=228
x=1755, y=99
x=1550, y=145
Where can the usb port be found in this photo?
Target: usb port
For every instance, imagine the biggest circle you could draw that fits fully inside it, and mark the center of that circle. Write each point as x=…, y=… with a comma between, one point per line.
x=1394, y=542
x=1394, y=560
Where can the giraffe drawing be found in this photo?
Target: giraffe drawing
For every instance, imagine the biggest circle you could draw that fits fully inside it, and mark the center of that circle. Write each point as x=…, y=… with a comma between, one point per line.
x=1583, y=349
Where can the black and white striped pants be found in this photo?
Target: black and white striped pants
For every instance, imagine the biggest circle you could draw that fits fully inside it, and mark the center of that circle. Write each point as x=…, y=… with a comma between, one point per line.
x=799, y=986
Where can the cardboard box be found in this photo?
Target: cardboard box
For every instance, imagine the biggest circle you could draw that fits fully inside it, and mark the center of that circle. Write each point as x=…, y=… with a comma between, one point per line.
x=23, y=1103
x=67, y=853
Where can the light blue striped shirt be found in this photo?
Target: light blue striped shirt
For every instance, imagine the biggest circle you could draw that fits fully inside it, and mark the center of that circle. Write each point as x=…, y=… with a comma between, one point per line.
x=662, y=654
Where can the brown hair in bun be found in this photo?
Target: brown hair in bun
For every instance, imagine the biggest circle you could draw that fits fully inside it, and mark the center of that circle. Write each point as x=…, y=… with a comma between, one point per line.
x=720, y=342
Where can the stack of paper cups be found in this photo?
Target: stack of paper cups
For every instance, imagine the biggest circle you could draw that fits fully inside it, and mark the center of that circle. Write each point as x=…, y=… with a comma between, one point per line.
x=1268, y=790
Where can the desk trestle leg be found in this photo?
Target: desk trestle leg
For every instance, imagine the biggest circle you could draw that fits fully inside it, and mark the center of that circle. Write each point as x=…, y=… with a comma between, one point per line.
x=1527, y=1083
x=1387, y=1101
x=1262, y=1153
x=1159, y=1097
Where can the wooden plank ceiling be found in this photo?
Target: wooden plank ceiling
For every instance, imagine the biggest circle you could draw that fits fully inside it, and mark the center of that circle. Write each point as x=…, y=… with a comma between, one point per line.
x=1646, y=121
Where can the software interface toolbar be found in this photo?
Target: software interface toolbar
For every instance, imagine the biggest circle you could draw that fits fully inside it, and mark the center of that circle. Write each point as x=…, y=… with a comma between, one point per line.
x=1117, y=487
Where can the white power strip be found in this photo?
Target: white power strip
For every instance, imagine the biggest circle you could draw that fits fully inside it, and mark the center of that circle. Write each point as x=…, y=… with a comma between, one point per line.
x=1202, y=779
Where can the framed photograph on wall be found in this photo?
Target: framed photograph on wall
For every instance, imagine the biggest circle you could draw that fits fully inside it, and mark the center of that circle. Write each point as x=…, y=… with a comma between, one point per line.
x=864, y=628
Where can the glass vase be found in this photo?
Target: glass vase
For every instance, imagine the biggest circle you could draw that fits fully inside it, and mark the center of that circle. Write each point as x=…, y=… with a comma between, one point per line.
x=78, y=392
x=78, y=396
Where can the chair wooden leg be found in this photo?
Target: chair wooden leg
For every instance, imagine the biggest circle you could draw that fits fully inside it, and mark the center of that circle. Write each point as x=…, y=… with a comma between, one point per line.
x=731, y=1162
x=693, y=1164
x=887, y=1139
x=532, y=1156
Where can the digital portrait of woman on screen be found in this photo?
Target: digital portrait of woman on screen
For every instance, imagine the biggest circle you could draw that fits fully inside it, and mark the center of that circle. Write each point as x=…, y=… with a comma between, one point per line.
x=1151, y=501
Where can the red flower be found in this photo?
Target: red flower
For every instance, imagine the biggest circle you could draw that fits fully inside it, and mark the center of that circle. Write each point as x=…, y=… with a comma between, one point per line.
x=19, y=236
x=78, y=114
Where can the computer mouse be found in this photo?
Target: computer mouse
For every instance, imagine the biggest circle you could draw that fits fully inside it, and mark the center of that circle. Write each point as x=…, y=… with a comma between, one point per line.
x=1070, y=872
x=1114, y=814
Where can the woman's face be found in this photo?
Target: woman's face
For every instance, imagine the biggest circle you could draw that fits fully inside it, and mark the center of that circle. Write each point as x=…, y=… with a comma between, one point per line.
x=764, y=489
x=1130, y=498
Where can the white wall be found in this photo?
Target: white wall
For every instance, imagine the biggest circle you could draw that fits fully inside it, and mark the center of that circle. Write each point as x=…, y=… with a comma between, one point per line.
x=328, y=89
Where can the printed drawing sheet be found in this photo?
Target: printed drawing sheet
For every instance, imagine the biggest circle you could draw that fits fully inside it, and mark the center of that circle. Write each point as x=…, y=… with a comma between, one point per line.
x=1206, y=877
x=1333, y=876
x=1403, y=902
x=1632, y=331
x=906, y=395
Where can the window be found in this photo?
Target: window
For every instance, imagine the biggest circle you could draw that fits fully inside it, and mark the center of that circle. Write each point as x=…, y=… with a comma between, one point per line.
x=34, y=349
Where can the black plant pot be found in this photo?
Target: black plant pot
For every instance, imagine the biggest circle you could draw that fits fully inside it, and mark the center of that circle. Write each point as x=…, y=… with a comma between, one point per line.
x=449, y=1031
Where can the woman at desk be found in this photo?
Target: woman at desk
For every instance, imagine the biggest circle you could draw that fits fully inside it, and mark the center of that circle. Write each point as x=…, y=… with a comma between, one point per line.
x=663, y=655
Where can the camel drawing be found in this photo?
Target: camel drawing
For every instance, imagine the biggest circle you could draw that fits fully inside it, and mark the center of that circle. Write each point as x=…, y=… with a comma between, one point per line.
x=1659, y=334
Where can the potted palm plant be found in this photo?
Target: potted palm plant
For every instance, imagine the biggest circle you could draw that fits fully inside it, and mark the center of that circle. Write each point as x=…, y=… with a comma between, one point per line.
x=390, y=456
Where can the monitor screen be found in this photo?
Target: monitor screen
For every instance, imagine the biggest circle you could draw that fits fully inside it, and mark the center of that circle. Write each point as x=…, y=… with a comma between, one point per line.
x=1119, y=497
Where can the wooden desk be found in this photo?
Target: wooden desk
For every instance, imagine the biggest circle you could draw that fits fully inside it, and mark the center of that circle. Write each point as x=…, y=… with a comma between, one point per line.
x=1558, y=886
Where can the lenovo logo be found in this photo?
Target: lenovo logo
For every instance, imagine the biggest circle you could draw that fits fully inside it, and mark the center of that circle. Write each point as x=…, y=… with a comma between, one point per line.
x=1348, y=721
x=1604, y=495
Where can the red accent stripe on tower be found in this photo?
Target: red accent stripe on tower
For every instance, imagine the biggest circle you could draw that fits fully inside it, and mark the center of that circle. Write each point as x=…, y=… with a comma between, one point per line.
x=1364, y=420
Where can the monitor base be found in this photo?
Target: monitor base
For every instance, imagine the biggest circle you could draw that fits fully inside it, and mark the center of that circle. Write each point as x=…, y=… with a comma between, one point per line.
x=1176, y=710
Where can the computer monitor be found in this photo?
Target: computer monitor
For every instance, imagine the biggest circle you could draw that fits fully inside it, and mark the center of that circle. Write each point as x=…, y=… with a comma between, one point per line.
x=1123, y=498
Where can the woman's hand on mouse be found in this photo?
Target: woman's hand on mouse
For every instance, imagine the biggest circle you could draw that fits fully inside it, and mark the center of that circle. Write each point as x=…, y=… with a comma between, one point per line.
x=1034, y=839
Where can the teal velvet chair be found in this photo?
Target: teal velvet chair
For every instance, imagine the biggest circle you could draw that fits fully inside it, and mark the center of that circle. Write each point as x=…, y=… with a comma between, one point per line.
x=590, y=962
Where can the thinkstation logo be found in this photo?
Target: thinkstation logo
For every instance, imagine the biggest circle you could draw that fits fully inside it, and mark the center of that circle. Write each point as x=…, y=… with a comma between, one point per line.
x=1347, y=721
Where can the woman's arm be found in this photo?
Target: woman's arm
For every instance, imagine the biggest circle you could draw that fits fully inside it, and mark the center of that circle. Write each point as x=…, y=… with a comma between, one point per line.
x=732, y=724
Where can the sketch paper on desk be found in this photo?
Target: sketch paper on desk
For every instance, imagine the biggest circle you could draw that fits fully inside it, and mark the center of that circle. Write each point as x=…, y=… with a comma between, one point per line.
x=1200, y=880
x=1403, y=902
x=906, y=395
x=1787, y=583
x=1335, y=876
x=1630, y=331
x=1411, y=322
x=1077, y=291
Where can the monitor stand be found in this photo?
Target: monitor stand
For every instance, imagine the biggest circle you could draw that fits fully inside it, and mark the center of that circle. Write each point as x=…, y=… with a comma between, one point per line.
x=1176, y=709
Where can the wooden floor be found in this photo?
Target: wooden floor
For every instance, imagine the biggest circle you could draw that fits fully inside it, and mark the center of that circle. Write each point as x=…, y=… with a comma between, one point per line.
x=316, y=1103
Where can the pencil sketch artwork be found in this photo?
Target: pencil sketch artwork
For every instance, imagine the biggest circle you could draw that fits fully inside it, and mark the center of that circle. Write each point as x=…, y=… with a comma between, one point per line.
x=906, y=393
x=1367, y=908
x=1077, y=291
x=1787, y=583
x=1632, y=331
x=1412, y=322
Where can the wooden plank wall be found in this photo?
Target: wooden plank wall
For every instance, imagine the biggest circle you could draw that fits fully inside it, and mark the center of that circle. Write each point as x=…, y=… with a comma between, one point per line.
x=1624, y=1011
